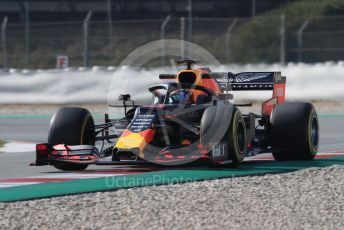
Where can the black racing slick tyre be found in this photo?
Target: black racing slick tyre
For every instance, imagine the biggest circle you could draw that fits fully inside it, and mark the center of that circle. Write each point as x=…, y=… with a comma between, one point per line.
x=234, y=136
x=294, y=131
x=71, y=126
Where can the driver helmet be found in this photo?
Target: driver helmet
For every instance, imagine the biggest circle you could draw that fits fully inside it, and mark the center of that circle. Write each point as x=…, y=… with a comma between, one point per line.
x=181, y=96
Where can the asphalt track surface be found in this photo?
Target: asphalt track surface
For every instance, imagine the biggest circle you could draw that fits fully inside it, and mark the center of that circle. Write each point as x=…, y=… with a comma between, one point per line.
x=34, y=129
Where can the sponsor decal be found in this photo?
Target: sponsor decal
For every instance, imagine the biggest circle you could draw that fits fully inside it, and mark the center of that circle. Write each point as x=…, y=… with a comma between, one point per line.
x=142, y=122
x=219, y=152
x=279, y=92
x=250, y=77
x=247, y=80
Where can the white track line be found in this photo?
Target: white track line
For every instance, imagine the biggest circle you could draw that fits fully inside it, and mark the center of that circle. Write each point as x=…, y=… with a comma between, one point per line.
x=77, y=175
x=63, y=176
x=6, y=185
x=18, y=146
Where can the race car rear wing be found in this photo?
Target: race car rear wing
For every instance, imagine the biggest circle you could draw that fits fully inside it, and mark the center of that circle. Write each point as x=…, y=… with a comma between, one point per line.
x=248, y=80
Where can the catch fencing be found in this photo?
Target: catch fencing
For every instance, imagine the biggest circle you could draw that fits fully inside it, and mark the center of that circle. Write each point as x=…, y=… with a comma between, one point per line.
x=274, y=39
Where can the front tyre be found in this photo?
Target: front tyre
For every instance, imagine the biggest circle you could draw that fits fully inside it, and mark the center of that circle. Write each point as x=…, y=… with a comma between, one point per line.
x=294, y=131
x=236, y=136
x=71, y=126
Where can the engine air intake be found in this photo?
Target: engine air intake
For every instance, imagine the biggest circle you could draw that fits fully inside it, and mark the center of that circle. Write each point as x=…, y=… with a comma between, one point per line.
x=187, y=77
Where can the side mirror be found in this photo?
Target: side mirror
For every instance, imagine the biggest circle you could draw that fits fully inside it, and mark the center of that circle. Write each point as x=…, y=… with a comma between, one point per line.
x=124, y=97
x=127, y=102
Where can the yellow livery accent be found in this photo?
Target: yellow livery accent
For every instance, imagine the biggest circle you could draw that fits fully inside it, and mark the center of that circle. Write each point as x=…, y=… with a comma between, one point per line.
x=133, y=140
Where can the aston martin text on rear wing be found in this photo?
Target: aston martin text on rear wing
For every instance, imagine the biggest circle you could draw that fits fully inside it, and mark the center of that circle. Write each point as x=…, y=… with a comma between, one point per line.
x=249, y=80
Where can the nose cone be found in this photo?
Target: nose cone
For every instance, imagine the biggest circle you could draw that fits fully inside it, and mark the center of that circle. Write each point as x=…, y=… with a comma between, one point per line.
x=130, y=140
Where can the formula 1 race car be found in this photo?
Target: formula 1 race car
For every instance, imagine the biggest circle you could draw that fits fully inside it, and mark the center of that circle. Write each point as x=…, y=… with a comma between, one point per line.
x=192, y=119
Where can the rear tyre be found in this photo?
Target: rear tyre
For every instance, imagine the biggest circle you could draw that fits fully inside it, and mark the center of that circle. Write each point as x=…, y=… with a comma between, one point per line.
x=71, y=126
x=294, y=131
